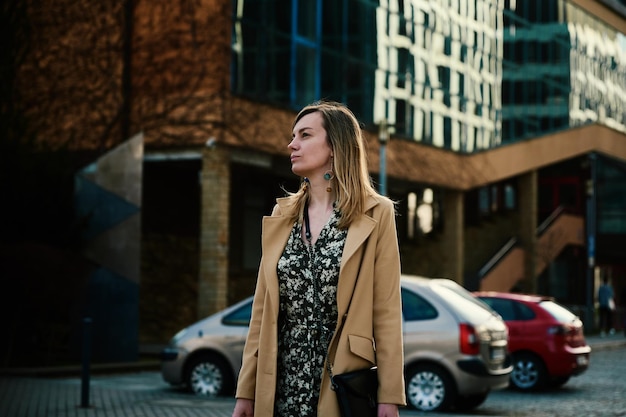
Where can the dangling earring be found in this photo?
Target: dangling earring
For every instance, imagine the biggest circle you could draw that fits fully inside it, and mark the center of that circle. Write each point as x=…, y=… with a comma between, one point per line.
x=328, y=175
x=306, y=184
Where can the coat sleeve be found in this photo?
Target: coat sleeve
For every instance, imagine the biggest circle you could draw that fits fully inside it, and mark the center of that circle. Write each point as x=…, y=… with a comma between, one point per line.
x=246, y=383
x=387, y=314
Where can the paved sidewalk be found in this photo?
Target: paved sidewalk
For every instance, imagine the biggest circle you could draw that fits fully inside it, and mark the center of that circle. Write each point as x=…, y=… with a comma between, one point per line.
x=135, y=393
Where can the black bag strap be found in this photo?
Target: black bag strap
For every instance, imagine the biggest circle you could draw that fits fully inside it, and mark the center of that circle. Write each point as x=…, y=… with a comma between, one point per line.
x=332, y=349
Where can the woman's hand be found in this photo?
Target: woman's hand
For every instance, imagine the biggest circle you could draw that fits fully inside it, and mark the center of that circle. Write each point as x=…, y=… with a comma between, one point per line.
x=388, y=410
x=244, y=408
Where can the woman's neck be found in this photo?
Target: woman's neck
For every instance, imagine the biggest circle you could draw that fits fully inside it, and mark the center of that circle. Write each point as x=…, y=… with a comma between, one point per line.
x=319, y=197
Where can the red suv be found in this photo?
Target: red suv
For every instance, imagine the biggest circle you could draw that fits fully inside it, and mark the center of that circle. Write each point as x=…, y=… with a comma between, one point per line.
x=546, y=340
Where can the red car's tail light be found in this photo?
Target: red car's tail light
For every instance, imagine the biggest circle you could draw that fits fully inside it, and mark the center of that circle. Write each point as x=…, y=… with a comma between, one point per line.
x=572, y=334
x=557, y=330
x=468, y=339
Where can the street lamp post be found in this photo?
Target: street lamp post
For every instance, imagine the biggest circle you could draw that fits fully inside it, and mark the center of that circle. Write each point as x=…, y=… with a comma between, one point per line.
x=383, y=138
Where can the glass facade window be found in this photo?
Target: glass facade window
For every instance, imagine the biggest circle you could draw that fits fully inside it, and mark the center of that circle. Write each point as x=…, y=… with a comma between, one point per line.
x=484, y=201
x=510, y=197
x=456, y=74
x=293, y=52
x=598, y=72
x=562, y=68
x=495, y=198
x=611, y=210
x=430, y=69
x=439, y=71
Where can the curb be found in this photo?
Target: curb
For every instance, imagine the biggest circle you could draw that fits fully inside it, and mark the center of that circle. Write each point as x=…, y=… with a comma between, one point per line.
x=607, y=345
x=76, y=370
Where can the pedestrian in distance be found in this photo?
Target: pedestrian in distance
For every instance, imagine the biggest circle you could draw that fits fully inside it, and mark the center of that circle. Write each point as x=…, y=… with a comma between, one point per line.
x=330, y=261
x=606, y=305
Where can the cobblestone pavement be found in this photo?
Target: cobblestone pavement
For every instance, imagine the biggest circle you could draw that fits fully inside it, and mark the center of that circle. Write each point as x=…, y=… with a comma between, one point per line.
x=601, y=391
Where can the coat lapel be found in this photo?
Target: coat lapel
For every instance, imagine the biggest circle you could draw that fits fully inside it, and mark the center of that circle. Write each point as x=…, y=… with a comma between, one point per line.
x=358, y=232
x=276, y=230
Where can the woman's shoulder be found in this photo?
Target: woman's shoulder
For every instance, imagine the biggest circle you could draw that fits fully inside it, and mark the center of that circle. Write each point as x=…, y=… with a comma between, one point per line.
x=381, y=200
x=377, y=203
x=283, y=206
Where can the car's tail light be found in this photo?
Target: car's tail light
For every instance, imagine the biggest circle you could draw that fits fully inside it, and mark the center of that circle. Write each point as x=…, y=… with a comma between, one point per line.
x=572, y=335
x=557, y=330
x=468, y=339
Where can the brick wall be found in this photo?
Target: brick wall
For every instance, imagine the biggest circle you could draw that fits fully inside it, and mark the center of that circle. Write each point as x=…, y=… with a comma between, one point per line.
x=169, y=281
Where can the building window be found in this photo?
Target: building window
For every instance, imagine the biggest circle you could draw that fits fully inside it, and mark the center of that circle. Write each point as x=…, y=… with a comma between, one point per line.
x=422, y=213
x=293, y=52
x=510, y=197
x=411, y=215
x=495, y=198
x=489, y=200
x=426, y=212
x=483, y=201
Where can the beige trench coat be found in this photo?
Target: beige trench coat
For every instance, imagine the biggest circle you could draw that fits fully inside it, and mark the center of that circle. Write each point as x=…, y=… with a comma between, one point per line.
x=372, y=333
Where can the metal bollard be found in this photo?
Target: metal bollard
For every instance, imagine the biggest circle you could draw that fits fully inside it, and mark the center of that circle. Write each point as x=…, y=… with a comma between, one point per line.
x=86, y=358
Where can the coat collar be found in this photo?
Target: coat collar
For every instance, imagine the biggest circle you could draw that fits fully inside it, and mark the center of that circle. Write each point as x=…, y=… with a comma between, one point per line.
x=275, y=233
x=358, y=231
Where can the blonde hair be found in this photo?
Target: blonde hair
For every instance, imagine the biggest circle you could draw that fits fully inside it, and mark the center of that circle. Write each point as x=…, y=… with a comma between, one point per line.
x=351, y=182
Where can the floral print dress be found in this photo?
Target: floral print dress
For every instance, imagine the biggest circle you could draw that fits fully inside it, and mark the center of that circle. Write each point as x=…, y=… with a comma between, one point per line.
x=307, y=276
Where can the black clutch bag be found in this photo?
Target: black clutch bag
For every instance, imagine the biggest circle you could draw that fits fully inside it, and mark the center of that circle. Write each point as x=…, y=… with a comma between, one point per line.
x=357, y=392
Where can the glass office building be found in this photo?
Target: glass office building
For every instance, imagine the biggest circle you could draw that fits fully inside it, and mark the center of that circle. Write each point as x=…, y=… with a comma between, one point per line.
x=457, y=74
x=433, y=70
x=462, y=76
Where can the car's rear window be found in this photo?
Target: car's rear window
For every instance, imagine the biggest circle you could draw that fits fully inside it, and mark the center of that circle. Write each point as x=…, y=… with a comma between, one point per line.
x=415, y=307
x=464, y=303
x=510, y=310
x=239, y=317
x=559, y=312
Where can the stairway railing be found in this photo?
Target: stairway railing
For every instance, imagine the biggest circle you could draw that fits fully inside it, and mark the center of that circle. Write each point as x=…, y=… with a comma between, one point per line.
x=506, y=267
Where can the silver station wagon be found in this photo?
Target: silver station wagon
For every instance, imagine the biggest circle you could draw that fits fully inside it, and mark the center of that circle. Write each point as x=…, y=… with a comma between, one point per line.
x=455, y=348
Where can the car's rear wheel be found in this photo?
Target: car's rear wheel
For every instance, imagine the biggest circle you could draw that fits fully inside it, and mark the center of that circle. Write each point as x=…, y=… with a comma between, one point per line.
x=529, y=372
x=208, y=375
x=429, y=388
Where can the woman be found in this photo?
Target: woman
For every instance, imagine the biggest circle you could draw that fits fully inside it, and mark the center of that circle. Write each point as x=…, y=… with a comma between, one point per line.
x=326, y=248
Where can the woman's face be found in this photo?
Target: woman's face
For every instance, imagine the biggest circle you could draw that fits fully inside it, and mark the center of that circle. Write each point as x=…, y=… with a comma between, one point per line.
x=310, y=151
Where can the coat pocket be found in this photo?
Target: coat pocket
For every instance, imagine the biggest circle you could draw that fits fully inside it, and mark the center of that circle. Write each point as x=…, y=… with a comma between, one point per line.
x=362, y=347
